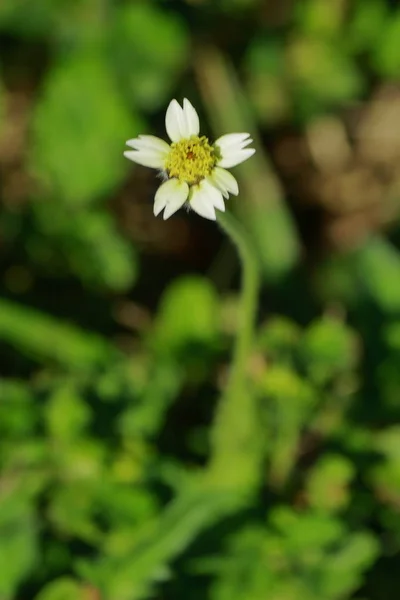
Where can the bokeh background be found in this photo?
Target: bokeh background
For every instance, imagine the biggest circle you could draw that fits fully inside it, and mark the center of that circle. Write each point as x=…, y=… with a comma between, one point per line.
x=116, y=328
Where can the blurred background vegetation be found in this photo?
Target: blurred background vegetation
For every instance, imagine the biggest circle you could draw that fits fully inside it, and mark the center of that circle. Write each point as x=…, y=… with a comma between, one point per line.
x=116, y=328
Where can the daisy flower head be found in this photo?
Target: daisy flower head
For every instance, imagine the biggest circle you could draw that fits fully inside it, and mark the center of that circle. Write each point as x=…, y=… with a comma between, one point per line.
x=193, y=169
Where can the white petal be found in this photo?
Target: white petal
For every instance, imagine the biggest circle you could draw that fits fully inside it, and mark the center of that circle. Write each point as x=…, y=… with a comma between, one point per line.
x=232, y=139
x=149, y=142
x=173, y=121
x=171, y=195
x=191, y=117
x=233, y=158
x=219, y=202
x=225, y=182
x=202, y=203
x=148, y=158
x=213, y=193
x=172, y=207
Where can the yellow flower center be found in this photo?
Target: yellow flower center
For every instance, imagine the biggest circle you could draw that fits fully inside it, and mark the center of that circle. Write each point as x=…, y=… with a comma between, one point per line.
x=191, y=160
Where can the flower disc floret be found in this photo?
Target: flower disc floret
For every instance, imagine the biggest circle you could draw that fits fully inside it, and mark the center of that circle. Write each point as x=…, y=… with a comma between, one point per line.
x=191, y=160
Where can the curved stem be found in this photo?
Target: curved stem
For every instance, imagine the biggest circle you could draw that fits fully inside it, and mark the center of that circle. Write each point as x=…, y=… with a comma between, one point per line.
x=235, y=443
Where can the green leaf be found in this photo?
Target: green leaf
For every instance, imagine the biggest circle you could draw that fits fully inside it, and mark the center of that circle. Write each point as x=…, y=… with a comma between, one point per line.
x=286, y=404
x=63, y=588
x=328, y=481
x=335, y=280
x=66, y=414
x=132, y=576
x=328, y=349
x=243, y=570
x=343, y=570
x=286, y=388
x=80, y=127
x=387, y=50
x=161, y=390
x=45, y=339
x=13, y=16
x=267, y=84
x=188, y=315
x=279, y=338
x=322, y=75
x=266, y=55
x=368, y=22
x=385, y=476
x=378, y=264
x=149, y=48
x=298, y=557
x=99, y=253
x=71, y=510
x=320, y=18
x=305, y=532
x=17, y=411
x=18, y=541
x=87, y=242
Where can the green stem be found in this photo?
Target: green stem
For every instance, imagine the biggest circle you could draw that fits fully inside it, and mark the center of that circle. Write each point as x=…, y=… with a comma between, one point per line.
x=235, y=443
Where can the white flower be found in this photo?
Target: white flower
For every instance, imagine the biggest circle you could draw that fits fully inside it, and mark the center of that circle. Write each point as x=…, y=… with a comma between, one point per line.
x=195, y=171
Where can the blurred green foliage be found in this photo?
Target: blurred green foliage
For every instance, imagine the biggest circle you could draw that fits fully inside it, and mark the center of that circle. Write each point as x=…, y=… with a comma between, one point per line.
x=105, y=419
